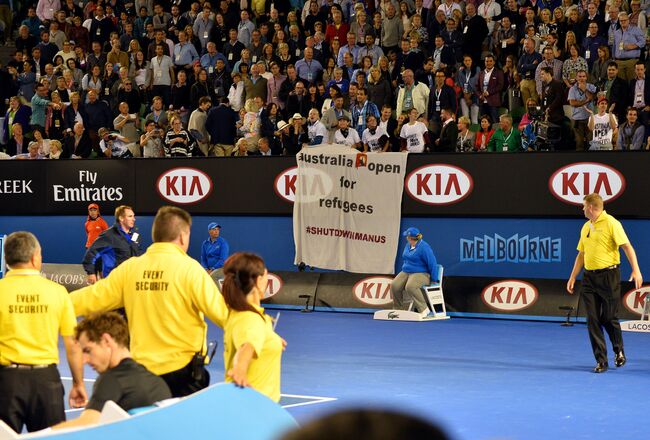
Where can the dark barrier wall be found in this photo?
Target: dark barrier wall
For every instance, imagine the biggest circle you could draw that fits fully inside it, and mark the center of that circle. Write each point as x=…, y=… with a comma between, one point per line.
x=481, y=185
x=504, y=248
x=466, y=295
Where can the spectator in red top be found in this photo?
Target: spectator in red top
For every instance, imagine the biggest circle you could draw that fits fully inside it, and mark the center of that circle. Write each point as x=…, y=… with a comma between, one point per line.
x=95, y=224
x=484, y=134
x=337, y=28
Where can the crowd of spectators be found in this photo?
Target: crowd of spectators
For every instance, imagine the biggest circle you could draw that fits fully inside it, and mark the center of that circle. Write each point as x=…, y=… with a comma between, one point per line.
x=149, y=78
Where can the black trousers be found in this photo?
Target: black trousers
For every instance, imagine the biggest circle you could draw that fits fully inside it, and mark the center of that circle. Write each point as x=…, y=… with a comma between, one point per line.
x=601, y=294
x=33, y=398
x=183, y=382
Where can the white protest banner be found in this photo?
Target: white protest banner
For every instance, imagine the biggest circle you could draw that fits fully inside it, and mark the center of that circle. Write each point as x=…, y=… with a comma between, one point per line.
x=347, y=210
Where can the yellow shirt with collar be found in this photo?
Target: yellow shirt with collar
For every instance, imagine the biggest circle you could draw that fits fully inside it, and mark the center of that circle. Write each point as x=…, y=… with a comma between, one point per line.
x=166, y=295
x=33, y=312
x=264, y=370
x=600, y=242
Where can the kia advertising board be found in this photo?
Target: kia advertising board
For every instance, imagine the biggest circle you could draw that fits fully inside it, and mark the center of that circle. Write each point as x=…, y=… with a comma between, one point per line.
x=373, y=291
x=573, y=182
x=439, y=184
x=213, y=185
x=509, y=295
x=474, y=185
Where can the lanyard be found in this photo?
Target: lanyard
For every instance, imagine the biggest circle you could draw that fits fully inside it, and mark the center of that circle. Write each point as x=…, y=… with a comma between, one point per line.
x=506, y=139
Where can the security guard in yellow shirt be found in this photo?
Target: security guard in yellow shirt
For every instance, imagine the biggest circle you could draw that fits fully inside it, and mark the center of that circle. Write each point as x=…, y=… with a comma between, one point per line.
x=165, y=294
x=252, y=349
x=598, y=253
x=33, y=311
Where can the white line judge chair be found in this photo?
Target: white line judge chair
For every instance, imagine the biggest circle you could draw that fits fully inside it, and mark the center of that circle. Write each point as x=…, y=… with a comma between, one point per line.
x=433, y=296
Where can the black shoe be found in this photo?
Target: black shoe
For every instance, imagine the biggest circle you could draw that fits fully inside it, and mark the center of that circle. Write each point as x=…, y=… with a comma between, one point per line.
x=620, y=359
x=601, y=367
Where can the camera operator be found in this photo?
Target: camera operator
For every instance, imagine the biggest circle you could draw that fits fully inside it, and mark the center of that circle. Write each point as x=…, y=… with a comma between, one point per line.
x=528, y=125
x=113, y=145
x=151, y=140
x=581, y=96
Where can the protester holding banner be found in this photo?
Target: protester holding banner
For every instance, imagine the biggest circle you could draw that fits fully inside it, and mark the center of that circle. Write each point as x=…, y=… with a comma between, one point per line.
x=345, y=135
x=414, y=135
x=418, y=269
x=252, y=350
x=598, y=252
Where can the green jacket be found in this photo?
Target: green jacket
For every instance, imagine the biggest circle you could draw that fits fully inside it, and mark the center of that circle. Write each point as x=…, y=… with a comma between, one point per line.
x=499, y=138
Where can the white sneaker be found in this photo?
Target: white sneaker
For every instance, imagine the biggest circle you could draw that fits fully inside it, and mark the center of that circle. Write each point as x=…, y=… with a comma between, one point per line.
x=425, y=314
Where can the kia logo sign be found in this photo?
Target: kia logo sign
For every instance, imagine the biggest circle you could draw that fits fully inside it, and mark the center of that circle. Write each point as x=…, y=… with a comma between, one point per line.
x=509, y=295
x=274, y=286
x=313, y=185
x=439, y=184
x=184, y=186
x=285, y=184
x=374, y=291
x=635, y=299
x=573, y=182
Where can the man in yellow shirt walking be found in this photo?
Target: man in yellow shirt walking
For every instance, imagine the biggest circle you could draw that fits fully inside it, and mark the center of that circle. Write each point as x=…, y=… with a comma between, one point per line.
x=598, y=253
x=33, y=311
x=166, y=295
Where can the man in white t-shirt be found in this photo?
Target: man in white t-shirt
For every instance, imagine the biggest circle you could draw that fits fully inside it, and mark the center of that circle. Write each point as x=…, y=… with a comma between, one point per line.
x=414, y=135
x=602, y=126
x=345, y=136
x=316, y=130
x=375, y=139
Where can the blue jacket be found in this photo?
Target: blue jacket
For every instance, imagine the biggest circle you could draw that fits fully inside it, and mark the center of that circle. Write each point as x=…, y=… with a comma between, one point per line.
x=214, y=253
x=112, y=248
x=221, y=125
x=420, y=260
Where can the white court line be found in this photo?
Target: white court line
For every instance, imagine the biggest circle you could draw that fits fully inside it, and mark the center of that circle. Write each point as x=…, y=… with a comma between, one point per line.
x=320, y=399
x=313, y=402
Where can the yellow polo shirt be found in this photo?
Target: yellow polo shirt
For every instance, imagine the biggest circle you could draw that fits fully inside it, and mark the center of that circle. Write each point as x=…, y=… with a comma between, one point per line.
x=33, y=312
x=600, y=242
x=166, y=295
x=264, y=370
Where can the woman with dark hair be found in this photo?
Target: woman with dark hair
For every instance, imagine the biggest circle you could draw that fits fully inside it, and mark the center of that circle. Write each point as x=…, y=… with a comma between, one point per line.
x=314, y=97
x=252, y=350
x=108, y=79
x=199, y=89
x=268, y=56
x=484, y=134
x=269, y=123
x=76, y=73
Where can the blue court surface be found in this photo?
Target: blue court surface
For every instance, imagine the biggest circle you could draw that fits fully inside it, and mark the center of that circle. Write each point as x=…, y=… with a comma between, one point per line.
x=478, y=378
